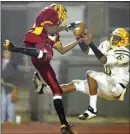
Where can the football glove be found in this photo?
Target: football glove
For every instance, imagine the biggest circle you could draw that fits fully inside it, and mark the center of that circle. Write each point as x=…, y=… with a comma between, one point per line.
x=71, y=26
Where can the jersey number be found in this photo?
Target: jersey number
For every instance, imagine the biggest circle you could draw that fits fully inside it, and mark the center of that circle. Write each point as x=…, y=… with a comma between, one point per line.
x=120, y=57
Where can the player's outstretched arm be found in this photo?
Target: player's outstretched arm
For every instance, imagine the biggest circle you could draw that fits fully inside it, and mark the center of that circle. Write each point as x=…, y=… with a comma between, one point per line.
x=57, y=29
x=53, y=29
x=88, y=41
x=66, y=48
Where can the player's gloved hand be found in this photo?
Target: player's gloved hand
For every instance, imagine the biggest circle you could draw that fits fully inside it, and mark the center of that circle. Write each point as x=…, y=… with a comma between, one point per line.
x=71, y=26
x=87, y=38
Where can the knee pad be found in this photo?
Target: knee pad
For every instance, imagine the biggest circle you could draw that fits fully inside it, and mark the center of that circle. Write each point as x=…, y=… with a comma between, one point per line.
x=91, y=73
x=80, y=85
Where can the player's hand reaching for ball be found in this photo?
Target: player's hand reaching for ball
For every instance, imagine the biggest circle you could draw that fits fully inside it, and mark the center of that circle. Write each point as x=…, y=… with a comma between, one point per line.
x=87, y=38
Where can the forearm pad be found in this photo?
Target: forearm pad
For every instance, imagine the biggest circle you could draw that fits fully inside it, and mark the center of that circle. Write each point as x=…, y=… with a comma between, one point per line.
x=97, y=52
x=83, y=47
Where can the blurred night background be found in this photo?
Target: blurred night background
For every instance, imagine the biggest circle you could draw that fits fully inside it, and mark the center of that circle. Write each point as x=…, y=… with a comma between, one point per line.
x=101, y=18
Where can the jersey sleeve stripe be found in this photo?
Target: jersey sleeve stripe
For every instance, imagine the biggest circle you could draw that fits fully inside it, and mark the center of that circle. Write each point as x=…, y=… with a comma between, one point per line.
x=46, y=22
x=122, y=54
x=122, y=51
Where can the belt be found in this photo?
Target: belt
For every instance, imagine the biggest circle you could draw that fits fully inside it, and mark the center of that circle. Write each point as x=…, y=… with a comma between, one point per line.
x=122, y=85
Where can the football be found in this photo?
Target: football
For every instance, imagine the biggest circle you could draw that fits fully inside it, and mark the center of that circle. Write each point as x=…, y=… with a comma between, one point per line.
x=80, y=28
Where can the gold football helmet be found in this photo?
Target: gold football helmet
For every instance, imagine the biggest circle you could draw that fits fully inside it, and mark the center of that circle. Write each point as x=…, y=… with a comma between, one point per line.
x=62, y=13
x=118, y=38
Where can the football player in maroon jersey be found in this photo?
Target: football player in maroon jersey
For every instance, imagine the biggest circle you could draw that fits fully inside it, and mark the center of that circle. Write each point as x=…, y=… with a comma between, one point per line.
x=39, y=43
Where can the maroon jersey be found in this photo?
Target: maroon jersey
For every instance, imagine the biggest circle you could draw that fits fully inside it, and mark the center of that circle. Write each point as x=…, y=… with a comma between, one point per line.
x=37, y=34
x=37, y=38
